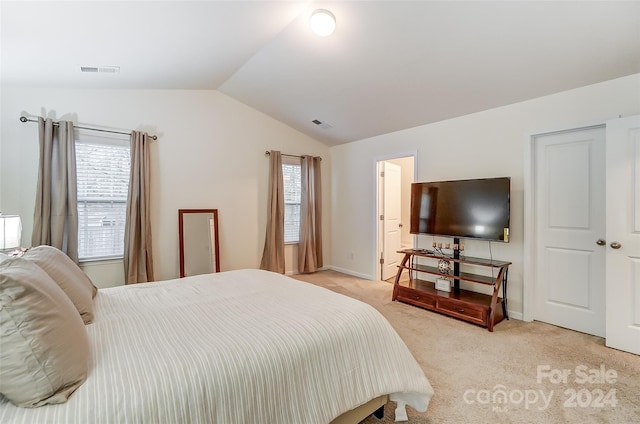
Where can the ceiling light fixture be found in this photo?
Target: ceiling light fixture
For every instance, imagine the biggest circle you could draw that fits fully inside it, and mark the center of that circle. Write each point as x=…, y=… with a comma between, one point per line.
x=322, y=22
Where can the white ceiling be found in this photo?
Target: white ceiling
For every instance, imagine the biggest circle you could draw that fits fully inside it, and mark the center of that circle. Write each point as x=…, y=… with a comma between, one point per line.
x=390, y=65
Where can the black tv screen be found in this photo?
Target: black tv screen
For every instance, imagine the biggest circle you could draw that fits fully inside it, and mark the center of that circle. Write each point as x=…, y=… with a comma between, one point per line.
x=477, y=209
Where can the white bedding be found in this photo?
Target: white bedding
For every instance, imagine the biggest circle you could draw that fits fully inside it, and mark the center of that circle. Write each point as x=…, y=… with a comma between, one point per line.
x=244, y=346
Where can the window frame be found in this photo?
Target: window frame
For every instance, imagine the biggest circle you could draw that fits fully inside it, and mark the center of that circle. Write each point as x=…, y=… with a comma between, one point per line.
x=105, y=140
x=295, y=161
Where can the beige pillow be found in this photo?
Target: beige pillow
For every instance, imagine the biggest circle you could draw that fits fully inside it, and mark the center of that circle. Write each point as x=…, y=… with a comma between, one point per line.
x=71, y=279
x=44, y=346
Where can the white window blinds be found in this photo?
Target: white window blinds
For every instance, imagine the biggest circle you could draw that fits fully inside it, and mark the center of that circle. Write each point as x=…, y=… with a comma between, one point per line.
x=291, y=178
x=103, y=183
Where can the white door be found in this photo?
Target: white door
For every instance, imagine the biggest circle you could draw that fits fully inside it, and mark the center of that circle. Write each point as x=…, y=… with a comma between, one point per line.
x=570, y=229
x=392, y=215
x=623, y=234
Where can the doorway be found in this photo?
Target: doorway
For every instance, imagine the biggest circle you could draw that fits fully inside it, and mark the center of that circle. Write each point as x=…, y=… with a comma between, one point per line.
x=394, y=178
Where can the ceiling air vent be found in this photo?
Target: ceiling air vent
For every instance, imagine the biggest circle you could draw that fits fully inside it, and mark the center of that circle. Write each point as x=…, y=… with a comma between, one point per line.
x=101, y=69
x=321, y=124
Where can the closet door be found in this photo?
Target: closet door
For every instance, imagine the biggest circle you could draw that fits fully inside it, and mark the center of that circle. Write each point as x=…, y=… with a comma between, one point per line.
x=623, y=234
x=570, y=229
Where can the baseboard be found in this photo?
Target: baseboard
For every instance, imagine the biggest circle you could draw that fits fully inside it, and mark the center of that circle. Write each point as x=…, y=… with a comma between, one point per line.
x=290, y=273
x=515, y=315
x=350, y=272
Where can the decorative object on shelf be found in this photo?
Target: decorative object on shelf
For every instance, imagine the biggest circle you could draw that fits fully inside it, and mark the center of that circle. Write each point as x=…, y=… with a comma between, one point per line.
x=443, y=284
x=444, y=266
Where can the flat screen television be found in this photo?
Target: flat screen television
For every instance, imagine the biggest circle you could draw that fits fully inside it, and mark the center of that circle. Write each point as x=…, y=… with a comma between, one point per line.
x=473, y=209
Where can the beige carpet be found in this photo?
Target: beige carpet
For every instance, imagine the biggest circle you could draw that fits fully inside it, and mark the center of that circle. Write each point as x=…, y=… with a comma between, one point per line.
x=470, y=368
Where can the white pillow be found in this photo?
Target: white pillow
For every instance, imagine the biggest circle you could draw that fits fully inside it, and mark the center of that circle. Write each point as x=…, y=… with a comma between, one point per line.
x=44, y=346
x=71, y=279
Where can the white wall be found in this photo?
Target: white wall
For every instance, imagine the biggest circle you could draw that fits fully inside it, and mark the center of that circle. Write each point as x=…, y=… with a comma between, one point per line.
x=485, y=144
x=209, y=154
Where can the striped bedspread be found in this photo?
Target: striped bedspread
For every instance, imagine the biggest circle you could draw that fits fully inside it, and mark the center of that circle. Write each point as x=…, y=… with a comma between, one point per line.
x=245, y=346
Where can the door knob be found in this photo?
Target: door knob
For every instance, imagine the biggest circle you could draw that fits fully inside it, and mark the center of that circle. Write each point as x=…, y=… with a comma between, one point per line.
x=601, y=242
x=615, y=245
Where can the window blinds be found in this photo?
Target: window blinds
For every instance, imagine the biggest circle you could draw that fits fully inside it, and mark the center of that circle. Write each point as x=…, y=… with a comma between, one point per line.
x=291, y=175
x=103, y=184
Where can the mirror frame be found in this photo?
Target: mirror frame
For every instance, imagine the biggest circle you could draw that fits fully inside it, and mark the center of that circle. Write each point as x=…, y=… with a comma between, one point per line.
x=181, y=213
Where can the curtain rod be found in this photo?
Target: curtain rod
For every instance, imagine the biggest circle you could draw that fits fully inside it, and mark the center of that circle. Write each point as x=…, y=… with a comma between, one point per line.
x=268, y=153
x=25, y=119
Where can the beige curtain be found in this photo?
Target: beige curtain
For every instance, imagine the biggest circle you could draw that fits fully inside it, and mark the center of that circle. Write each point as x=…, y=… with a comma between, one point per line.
x=138, y=258
x=310, y=246
x=55, y=218
x=273, y=253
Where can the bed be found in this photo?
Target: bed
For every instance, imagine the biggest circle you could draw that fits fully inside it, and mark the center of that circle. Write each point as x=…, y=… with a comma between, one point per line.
x=246, y=346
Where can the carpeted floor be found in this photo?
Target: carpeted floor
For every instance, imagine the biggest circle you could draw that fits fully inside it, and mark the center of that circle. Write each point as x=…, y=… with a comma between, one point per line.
x=520, y=373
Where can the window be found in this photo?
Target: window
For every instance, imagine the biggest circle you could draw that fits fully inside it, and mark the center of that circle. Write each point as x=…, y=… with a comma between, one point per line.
x=103, y=183
x=292, y=188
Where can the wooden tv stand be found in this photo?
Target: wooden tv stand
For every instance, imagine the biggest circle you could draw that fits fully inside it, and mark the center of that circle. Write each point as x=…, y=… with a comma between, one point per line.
x=467, y=305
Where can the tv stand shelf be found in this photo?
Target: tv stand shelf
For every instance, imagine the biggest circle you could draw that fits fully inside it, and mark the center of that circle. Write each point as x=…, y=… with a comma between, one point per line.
x=467, y=305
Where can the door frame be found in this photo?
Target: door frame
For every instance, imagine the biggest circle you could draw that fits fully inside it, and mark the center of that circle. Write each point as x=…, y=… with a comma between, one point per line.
x=530, y=241
x=375, y=243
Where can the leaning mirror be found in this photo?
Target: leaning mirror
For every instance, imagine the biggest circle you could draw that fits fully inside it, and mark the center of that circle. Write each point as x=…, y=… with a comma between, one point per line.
x=198, y=234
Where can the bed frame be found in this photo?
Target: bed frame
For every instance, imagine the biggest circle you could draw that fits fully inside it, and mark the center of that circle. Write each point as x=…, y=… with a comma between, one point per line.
x=374, y=407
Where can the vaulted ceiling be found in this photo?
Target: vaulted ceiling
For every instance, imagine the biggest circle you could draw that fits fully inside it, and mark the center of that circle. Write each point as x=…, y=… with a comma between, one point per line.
x=389, y=65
